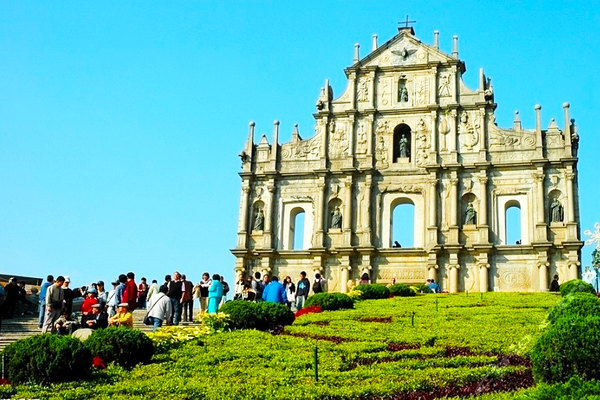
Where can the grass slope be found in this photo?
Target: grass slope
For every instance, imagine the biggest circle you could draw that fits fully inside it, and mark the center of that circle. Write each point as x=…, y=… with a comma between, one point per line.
x=459, y=345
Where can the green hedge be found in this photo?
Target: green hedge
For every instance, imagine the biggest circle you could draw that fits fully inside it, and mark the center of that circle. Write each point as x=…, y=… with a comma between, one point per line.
x=46, y=359
x=402, y=290
x=124, y=346
x=262, y=315
x=422, y=288
x=576, y=285
x=576, y=305
x=570, y=347
x=374, y=291
x=330, y=301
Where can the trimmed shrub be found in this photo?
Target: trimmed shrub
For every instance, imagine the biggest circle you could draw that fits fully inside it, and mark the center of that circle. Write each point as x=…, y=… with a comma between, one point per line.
x=330, y=301
x=402, y=290
x=274, y=314
x=574, y=388
x=422, y=288
x=374, y=291
x=262, y=316
x=570, y=347
x=576, y=285
x=576, y=305
x=124, y=346
x=46, y=359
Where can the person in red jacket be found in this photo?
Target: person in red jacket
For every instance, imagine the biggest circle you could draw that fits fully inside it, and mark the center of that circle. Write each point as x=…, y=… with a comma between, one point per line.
x=88, y=303
x=131, y=292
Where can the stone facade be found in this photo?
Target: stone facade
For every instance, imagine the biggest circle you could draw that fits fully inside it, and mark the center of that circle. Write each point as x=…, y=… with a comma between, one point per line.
x=408, y=131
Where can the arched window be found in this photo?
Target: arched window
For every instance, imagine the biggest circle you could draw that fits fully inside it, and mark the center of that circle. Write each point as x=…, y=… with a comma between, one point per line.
x=403, y=224
x=402, y=141
x=297, y=229
x=512, y=219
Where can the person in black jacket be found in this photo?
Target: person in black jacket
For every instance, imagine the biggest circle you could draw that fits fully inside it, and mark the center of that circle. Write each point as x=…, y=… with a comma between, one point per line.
x=174, y=293
x=302, y=290
x=555, y=286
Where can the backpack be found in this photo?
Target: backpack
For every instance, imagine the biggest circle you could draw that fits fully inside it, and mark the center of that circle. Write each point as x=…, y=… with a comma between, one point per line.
x=225, y=288
x=317, y=286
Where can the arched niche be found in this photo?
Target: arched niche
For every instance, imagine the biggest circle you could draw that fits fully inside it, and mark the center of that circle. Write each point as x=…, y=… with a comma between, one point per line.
x=402, y=143
x=555, y=207
x=258, y=216
x=403, y=223
x=506, y=206
x=334, y=214
x=469, y=209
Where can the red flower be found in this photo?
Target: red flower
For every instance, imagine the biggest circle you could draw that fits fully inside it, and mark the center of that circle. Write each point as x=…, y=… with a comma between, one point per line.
x=98, y=362
x=308, y=310
x=4, y=382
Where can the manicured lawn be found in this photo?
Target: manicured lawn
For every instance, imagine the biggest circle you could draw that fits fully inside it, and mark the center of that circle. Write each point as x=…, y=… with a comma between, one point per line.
x=461, y=345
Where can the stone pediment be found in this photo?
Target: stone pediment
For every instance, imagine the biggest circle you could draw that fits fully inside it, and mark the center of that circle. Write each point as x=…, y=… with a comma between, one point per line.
x=403, y=50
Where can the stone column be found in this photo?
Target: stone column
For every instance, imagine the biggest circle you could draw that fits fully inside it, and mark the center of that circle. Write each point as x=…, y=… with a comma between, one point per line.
x=243, y=222
x=347, y=217
x=539, y=197
x=543, y=275
x=484, y=277
x=453, y=278
x=569, y=176
x=452, y=145
x=319, y=212
x=432, y=181
x=453, y=200
x=268, y=237
x=344, y=273
x=432, y=271
x=573, y=270
x=483, y=208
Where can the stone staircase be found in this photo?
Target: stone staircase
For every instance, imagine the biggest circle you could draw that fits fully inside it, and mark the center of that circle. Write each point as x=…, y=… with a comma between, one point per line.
x=25, y=326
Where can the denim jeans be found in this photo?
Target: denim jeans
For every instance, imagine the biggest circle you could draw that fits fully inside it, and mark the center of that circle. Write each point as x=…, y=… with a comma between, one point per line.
x=42, y=313
x=176, y=305
x=156, y=323
x=300, y=302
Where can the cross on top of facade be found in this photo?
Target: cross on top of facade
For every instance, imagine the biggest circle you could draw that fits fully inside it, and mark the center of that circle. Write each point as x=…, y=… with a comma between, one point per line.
x=406, y=22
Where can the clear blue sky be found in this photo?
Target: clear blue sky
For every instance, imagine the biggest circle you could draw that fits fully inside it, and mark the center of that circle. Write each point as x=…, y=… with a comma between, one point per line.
x=121, y=122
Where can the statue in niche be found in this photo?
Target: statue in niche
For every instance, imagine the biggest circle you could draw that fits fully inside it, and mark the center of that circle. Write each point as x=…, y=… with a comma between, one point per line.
x=259, y=220
x=470, y=215
x=556, y=211
x=336, y=218
x=402, y=91
x=403, y=148
x=363, y=91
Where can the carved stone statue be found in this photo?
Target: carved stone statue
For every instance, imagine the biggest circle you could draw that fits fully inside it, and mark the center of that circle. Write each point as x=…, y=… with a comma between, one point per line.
x=402, y=92
x=336, y=218
x=259, y=221
x=470, y=215
x=556, y=211
x=403, y=148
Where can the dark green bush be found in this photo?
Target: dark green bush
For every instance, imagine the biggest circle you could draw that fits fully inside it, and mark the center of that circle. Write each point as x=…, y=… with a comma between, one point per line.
x=576, y=305
x=124, y=346
x=402, y=290
x=262, y=316
x=373, y=291
x=46, y=359
x=570, y=347
x=274, y=314
x=576, y=285
x=330, y=301
x=422, y=288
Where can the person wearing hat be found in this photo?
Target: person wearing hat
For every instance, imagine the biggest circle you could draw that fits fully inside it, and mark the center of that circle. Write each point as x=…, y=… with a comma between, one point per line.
x=98, y=319
x=123, y=317
x=88, y=303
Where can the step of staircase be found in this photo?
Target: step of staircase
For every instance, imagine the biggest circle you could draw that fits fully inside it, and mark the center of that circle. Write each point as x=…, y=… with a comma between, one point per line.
x=25, y=326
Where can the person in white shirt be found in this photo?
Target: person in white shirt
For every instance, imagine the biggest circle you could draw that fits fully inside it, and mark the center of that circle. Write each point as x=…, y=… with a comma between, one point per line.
x=160, y=308
x=153, y=289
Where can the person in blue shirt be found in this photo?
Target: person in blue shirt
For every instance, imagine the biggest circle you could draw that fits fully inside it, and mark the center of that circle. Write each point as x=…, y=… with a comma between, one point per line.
x=43, y=290
x=275, y=292
x=435, y=288
x=215, y=294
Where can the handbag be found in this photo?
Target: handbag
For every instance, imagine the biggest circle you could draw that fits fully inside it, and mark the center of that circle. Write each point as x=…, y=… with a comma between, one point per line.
x=147, y=320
